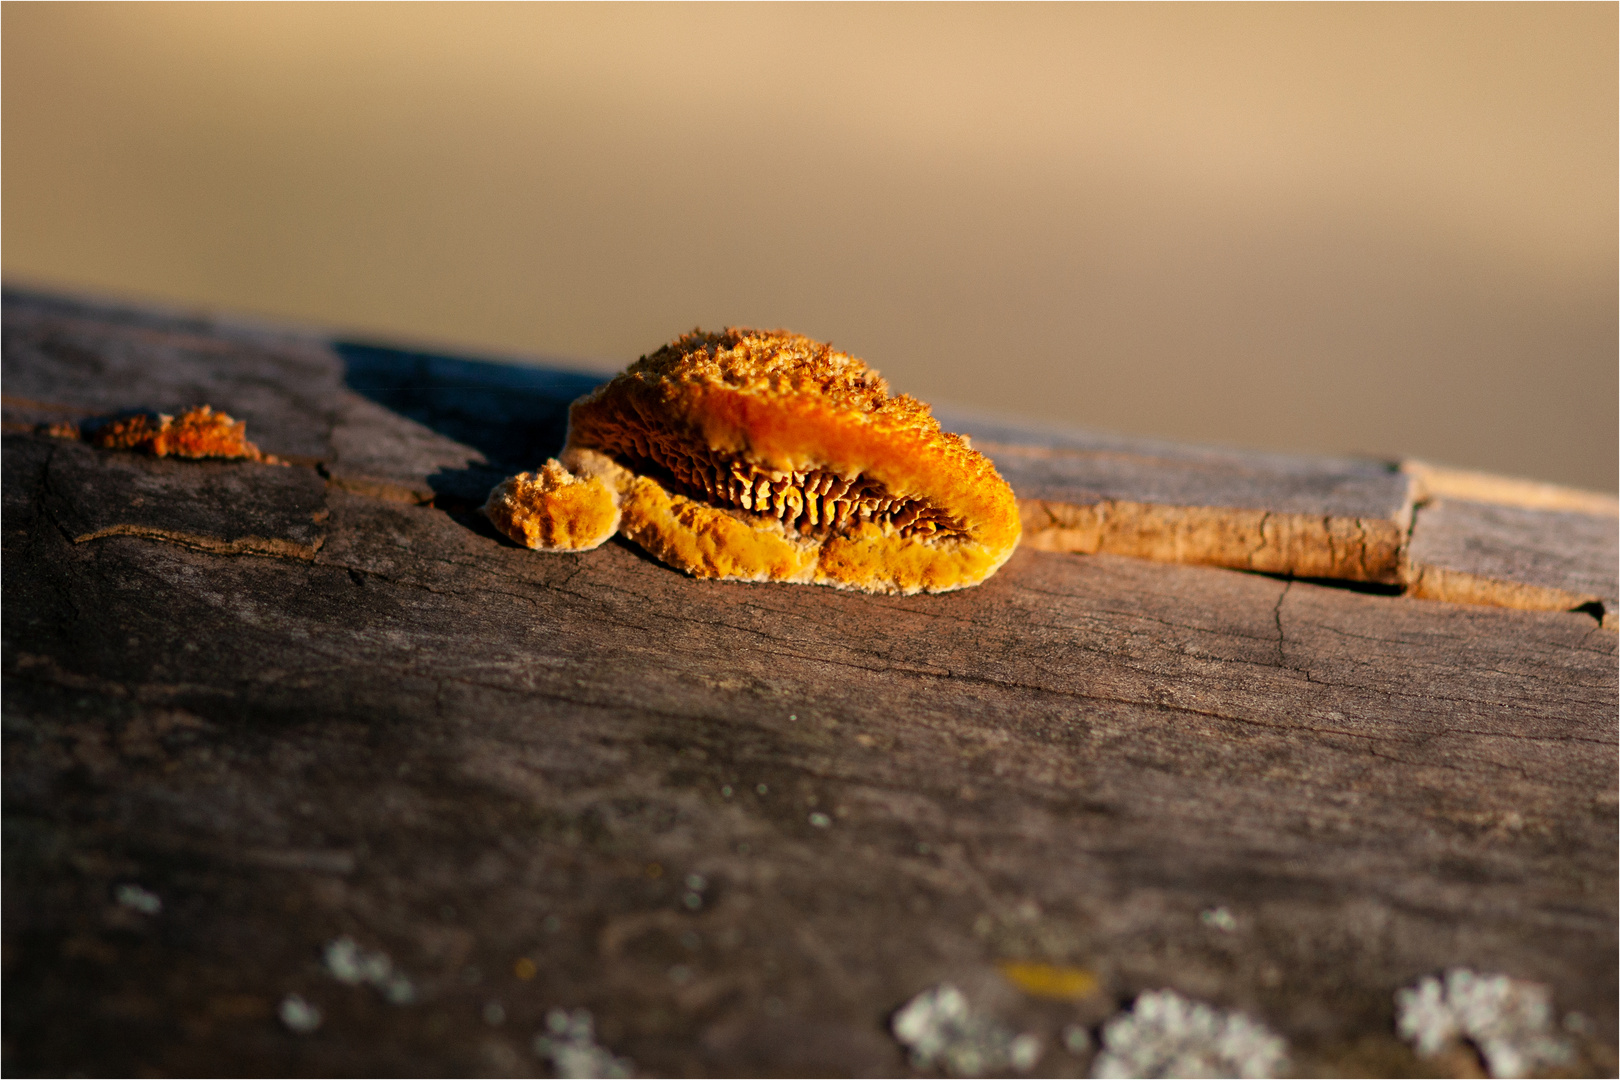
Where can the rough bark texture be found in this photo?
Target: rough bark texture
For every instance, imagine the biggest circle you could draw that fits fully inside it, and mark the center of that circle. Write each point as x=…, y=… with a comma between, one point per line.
x=326, y=699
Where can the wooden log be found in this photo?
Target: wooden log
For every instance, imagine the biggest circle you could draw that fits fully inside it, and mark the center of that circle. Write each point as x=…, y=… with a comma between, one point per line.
x=742, y=824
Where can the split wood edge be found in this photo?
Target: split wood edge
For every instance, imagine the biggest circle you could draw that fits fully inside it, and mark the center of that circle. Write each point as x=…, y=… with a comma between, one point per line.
x=1370, y=550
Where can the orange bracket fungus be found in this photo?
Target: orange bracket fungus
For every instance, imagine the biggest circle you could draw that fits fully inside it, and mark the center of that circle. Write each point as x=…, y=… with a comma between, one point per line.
x=196, y=433
x=764, y=456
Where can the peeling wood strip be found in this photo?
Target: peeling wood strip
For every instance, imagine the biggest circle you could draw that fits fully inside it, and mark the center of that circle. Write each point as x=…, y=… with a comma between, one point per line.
x=1298, y=545
x=1461, y=587
x=1299, y=515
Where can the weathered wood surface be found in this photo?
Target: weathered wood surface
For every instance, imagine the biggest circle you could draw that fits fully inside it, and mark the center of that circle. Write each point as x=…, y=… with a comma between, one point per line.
x=1541, y=560
x=401, y=728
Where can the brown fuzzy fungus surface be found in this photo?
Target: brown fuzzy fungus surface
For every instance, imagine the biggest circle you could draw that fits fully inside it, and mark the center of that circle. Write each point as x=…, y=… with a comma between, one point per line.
x=765, y=456
x=196, y=433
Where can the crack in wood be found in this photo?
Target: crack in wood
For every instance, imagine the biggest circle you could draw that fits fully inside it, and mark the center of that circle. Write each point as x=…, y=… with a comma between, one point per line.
x=271, y=546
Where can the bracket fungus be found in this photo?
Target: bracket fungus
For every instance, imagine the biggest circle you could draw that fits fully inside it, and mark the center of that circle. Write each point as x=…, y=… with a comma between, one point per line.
x=196, y=433
x=757, y=455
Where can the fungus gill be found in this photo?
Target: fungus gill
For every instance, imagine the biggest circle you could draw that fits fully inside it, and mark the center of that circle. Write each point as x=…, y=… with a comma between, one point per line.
x=764, y=456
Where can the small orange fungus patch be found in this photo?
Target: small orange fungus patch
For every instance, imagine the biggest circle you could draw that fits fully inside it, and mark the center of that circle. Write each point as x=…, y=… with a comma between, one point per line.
x=554, y=510
x=525, y=968
x=1052, y=981
x=764, y=456
x=196, y=433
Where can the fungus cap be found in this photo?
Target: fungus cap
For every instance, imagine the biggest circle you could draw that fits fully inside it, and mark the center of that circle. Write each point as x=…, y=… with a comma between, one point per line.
x=766, y=456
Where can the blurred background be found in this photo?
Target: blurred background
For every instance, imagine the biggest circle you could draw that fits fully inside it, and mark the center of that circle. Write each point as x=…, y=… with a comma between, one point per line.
x=1376, y=228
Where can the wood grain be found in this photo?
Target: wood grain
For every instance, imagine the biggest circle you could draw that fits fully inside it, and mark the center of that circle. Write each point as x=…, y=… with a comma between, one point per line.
x=468, y=754
x=1539, y=560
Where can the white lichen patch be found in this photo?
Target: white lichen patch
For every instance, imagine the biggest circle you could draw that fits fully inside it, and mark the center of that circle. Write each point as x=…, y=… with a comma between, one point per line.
x=1076, y=1039
x=300, y=1017
x=138, y=899
x=1511, y=1022
x=569, y=1044
x=348, y=963
x=1164, y=1034
x=940, y=1028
